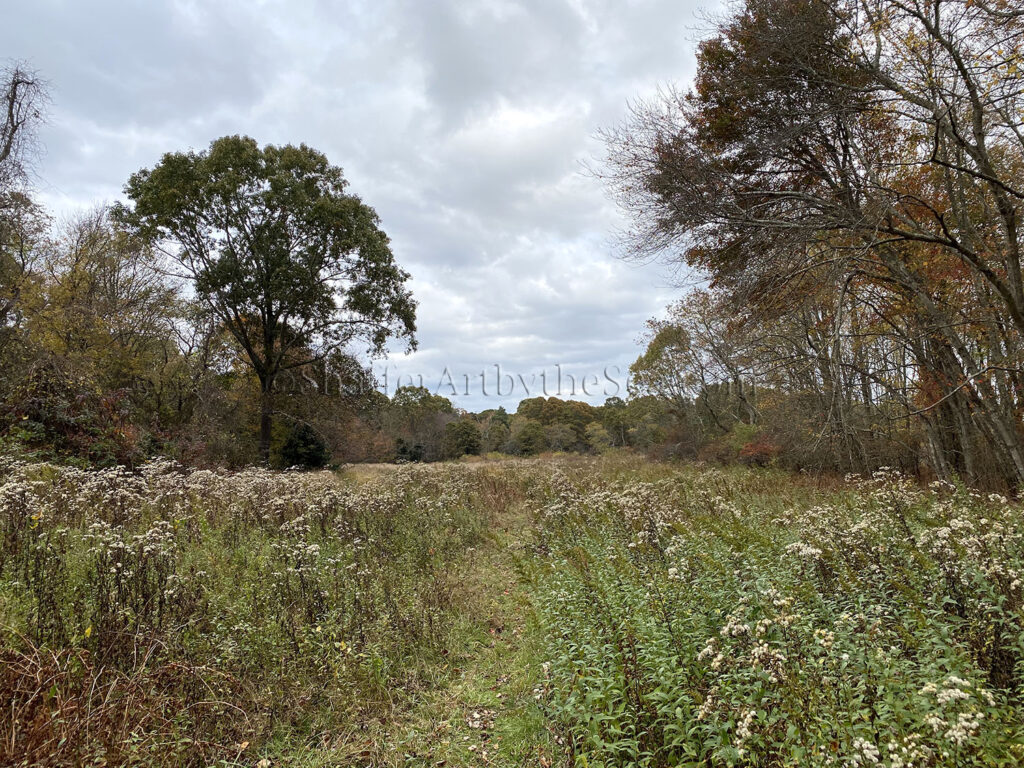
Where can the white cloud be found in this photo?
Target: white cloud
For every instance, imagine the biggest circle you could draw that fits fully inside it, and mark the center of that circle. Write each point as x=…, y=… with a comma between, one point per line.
x=465, y=123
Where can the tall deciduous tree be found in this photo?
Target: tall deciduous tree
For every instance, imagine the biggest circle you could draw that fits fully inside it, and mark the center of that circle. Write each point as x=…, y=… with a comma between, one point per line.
x=292, y=264
x=22, y=99
x=878, y=143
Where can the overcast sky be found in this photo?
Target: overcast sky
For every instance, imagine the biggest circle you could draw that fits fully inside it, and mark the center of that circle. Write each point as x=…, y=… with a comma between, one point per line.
x=463, y=122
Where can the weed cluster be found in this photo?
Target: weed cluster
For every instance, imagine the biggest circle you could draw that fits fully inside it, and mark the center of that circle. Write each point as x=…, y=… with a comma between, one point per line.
x=737, y=618
x=179, y=617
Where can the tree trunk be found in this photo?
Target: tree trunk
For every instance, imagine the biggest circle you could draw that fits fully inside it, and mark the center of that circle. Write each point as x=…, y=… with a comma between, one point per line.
x=266, y=419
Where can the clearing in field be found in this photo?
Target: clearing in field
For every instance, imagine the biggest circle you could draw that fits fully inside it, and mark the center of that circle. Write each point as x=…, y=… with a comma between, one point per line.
x=566, y=612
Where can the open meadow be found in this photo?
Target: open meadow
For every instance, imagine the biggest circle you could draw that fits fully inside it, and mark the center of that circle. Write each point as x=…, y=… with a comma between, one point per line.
x=497, y=383
x=563, y=611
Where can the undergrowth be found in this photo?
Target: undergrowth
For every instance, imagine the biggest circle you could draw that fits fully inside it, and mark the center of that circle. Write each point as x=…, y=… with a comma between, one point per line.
x=185, y=618
x=704, y=617
x=589, y=612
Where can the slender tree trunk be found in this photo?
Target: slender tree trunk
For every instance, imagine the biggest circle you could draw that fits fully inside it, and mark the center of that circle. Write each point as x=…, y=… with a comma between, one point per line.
x=266, y=418
x=933, y=442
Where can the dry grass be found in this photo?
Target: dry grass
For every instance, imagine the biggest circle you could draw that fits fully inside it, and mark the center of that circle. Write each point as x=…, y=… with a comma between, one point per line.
x=64, y=709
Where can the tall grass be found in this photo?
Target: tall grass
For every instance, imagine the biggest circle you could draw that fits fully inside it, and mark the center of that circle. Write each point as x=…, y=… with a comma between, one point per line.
x=737, y=618
x=686, y=616
x=185, y=618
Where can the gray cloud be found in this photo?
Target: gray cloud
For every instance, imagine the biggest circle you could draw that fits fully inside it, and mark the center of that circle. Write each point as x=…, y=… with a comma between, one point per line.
x=465, y=124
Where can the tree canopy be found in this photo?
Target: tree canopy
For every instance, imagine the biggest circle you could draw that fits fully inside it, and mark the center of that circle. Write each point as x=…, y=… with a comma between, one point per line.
x=292, y=264
x=846, y=173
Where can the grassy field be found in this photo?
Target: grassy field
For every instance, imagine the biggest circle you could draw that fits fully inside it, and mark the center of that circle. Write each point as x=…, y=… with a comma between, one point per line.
x=590, y=612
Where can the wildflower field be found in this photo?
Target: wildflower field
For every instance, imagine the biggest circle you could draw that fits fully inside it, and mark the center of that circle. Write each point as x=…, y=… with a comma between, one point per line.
x=590, y=612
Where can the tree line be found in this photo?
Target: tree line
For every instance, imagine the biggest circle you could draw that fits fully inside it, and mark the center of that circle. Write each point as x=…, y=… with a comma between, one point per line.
x=222, y=315
x=427, y=427
x=845, y=178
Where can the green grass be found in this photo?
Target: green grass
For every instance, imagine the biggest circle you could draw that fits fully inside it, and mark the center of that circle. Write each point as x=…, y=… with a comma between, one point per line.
x=487, y=713
x=571, y=611
x=739, y=618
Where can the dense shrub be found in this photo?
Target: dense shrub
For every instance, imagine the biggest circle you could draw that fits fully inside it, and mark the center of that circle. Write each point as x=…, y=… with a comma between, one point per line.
x=760, y=451
x=304, y=447
x=49, y=416
x=461, y=437
x=528, y=438
x=406, y=451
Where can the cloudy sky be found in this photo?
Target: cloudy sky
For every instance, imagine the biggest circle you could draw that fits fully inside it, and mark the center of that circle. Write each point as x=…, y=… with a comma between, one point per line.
x=465, y=123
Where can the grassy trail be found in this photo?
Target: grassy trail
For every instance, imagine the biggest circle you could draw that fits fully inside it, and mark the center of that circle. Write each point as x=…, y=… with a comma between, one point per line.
x=482, y=712
x=486, y=714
